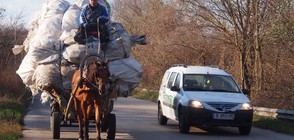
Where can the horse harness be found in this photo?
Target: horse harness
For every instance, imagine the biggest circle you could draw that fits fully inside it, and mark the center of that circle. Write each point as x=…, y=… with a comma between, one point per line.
x=97, y=73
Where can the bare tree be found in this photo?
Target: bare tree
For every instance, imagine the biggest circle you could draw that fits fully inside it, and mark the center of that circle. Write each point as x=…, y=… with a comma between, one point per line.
x=12, y=32
x=252, y=39
x=2, y=11
x=278, y=53
x=166, y=33
x=237, y=23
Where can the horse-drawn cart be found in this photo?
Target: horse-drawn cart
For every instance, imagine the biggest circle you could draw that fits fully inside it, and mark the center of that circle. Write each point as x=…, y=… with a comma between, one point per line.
x=52, y=58
x=63, y=116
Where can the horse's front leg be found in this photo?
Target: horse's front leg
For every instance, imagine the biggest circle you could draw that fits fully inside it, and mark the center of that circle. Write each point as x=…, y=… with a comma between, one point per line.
x=85, y=110
x=97, y=119
x=80, y=119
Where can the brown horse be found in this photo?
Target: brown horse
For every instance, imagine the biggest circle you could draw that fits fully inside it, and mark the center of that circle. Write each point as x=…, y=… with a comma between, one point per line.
x=88, y=94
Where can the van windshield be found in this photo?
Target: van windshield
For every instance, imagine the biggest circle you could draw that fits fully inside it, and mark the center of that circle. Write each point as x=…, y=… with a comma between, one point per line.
x=205, y=82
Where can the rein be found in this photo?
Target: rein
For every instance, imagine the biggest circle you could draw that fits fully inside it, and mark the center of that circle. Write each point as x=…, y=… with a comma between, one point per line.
x=90, y=84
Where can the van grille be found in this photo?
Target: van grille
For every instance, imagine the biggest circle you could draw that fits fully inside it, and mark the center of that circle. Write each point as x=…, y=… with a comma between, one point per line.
x=222, y=107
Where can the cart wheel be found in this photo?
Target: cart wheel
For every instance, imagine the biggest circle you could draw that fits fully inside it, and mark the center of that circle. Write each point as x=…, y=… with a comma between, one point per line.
x=110, y=106
x=111, y=126
x=55, y=125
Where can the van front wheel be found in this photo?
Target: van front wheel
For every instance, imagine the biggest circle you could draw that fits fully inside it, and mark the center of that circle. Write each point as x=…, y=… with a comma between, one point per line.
x=184, y=126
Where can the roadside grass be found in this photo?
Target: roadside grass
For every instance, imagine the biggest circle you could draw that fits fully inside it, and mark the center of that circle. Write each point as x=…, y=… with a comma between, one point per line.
x=277, y=125
x=11, y=118
x=144, y=94
x=13, y=103
x=10, y=130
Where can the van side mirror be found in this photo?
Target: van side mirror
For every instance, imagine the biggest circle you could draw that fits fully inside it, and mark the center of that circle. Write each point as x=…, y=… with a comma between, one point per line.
x=175, y=88
x=246, y=91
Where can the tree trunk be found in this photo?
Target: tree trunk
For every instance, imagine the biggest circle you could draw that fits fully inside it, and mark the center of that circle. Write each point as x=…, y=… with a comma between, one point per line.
x=257, y=50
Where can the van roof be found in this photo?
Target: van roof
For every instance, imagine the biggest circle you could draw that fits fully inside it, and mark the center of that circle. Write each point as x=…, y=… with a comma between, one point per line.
x=188, y=69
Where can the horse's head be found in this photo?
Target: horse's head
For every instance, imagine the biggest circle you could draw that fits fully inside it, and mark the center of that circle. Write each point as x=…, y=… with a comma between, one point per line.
x=98, y=73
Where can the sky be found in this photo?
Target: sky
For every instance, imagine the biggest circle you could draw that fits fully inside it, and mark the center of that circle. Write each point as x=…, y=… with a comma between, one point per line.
x=27, y=7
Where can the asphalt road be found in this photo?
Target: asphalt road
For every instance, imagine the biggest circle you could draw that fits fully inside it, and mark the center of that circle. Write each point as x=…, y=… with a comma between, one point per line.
x=137, y=120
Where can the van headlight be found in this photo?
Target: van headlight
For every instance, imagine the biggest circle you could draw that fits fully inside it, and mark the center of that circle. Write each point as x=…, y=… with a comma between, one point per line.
x=195, y=104
x=246, y=106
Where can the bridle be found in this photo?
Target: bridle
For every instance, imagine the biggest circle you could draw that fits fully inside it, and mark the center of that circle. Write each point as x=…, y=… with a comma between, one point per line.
x=100, y=76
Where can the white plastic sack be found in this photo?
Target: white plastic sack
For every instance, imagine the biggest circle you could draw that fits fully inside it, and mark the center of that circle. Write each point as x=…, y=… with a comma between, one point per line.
x=76, y=52
x=68, y=36
x=34, y=90
x=139, y=40
x=71, y=18
x=56, y=7
x=41, y=56
x=125, y=88
x=119, y=44
x=17, y=49
x=48, y=75
x=58, y=21
x=129, y=72
x=127, y=69
x=82, y=3
x=48, y=33
x=42, y=46
x=26, y=70
x=67, y=71
x=34, y=26
x=38, y=18
x=102, y=2
x=49, y=27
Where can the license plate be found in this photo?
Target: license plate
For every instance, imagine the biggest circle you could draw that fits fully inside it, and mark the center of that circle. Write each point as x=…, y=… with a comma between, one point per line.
x=223, y=116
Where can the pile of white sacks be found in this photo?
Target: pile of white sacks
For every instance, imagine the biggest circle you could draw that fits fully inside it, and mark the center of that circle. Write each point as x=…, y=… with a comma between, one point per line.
x=52, y=55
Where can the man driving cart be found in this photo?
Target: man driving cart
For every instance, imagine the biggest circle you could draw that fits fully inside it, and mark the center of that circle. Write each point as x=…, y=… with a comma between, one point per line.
x=93, y=18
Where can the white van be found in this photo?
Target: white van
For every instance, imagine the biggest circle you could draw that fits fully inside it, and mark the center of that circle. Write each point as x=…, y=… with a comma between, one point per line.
x=203, y=96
